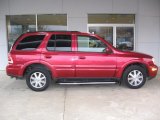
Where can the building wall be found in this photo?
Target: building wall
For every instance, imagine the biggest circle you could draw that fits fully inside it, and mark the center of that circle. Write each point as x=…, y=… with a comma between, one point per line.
x=147, y=18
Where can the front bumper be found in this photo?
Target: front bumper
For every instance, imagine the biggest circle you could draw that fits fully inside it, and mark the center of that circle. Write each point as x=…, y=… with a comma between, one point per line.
x=152, y=71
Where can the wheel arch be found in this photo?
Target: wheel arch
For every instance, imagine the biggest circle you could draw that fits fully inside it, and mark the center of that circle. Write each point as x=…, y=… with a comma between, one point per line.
x=121, y=71
x=38, y=65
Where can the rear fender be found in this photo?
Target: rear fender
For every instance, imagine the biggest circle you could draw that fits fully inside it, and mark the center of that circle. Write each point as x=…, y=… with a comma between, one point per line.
x=52, y=69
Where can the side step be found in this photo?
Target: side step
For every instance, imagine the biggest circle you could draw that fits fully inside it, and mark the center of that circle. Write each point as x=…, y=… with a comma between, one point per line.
x=86, y=81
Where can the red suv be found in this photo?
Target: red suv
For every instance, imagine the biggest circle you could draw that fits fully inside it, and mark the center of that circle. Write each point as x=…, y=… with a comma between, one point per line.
x=71, y=57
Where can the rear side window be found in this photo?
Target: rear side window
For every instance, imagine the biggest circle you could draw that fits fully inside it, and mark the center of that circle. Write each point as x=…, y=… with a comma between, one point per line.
x=30, y=42
x=59, y=43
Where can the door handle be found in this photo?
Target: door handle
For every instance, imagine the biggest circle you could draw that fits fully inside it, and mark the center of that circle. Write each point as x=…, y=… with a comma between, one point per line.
x=48, y=56
x=82, y=57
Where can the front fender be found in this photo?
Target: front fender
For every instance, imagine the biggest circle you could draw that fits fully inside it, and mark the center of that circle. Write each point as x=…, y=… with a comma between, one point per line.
x=122, y=67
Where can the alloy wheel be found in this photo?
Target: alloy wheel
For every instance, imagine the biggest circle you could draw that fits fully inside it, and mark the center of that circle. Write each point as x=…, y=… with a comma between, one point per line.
x=38, y=80
x=135, y=78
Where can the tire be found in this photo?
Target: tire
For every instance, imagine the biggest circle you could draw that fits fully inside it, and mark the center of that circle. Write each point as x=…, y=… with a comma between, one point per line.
x=38, y=79
x=134, y=77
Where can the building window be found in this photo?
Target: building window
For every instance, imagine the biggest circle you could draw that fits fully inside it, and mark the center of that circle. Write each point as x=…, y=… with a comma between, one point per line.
x=19, y=24
x=52, y=22
x=118, y=29
x=125, y=38
x=111, y=18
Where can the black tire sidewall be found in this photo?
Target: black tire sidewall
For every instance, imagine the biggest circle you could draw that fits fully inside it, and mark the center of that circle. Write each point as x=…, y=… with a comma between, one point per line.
x=128, y=70
x=42, y=70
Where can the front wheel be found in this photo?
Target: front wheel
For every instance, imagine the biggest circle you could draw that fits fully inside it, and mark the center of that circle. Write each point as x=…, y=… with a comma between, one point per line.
x=134, y=77
x=38, y=79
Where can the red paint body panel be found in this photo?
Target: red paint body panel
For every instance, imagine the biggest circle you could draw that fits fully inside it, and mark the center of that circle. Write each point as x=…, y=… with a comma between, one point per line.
x=76, y=64
x=61, y=62
x=95, y=64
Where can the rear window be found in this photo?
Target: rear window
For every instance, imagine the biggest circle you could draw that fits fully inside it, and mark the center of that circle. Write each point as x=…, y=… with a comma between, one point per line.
x=30, y=42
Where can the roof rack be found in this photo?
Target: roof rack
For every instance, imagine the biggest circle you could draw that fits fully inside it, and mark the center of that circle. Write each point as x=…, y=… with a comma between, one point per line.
x=53, y=31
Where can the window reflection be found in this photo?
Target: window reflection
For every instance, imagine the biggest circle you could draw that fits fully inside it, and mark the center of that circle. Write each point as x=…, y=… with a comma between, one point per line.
x=104, y=32
x=48, y=22
x=125, y=38
x=111, y=18
x=118, y=29
x=90, y=44
x=19, y=24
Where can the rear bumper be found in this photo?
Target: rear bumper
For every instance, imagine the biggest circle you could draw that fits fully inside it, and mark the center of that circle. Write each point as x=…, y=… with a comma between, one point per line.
x=152, y=71
x=14, y=71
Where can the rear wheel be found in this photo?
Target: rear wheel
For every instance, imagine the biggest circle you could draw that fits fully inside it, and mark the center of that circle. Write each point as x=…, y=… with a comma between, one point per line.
x=134, y=77
x=38, y=79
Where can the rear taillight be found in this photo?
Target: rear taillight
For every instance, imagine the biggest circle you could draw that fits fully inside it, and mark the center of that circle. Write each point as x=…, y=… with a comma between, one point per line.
x=10, y=61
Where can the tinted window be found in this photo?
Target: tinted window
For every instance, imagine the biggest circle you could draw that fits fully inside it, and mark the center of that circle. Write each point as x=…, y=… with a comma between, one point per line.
x=59, y=43
x=90, y=44
x=30, y=42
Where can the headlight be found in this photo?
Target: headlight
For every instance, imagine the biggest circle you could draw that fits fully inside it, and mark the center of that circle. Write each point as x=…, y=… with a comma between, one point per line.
x=153, y=60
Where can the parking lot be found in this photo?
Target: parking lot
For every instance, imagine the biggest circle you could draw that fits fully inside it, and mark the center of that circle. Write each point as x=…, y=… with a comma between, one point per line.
x=78, y=102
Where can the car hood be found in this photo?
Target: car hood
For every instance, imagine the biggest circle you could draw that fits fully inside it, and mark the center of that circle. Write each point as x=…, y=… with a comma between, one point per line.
x=134, y=54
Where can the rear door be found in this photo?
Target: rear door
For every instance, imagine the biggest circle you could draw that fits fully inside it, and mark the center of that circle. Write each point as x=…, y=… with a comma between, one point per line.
x=92, y=60
x=59, y=55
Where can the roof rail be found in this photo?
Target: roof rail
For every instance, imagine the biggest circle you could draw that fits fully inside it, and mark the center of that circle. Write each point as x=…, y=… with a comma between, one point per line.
x=53, y=31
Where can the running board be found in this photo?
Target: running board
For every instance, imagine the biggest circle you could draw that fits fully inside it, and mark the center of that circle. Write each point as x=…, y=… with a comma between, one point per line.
x=85, y=83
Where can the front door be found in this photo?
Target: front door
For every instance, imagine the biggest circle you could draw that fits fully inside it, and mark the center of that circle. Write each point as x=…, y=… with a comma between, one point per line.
x=92, y=60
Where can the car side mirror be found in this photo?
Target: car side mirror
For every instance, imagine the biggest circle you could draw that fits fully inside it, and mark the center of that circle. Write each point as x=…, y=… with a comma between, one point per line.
x=108, y=50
